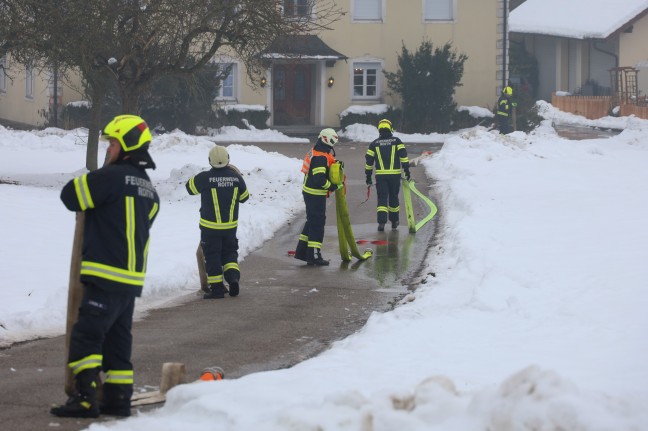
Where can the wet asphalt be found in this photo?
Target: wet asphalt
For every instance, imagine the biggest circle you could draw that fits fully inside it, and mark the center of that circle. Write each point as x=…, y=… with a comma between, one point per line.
x=287, y=311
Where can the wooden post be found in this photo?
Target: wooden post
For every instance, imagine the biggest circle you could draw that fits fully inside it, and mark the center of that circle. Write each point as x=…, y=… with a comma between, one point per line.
x=514, y=118
x=75, y=294
x=202, y=272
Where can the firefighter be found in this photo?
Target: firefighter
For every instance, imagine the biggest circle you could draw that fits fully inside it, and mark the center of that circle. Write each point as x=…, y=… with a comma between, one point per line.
x=389, y=155
x=504, y=110
x=316, y=189
x=221, y=190
x=120, y=205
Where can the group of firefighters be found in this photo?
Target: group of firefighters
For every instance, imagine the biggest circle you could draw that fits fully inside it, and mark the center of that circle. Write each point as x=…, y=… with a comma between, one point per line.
x=120, y=205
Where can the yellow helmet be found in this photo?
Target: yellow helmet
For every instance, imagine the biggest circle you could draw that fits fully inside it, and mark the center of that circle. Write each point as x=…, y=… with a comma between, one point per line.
x=130, y=130
x=507, y=90
x=385, y=124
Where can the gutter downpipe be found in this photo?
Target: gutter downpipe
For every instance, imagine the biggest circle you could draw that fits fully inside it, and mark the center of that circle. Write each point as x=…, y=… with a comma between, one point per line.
x=505, y=44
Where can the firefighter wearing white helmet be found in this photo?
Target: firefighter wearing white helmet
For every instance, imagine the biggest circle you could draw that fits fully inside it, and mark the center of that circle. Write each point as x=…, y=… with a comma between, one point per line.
x=389, y=155
x=504, y=110
x=221, y=190
x=120, y=205
x=315, y=190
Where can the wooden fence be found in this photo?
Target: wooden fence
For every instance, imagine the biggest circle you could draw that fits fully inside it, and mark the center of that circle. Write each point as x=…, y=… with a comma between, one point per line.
x=595, y=107
x=591, y=107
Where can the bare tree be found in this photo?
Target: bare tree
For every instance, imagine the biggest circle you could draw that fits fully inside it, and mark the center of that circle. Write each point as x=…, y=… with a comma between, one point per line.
x=129, y=44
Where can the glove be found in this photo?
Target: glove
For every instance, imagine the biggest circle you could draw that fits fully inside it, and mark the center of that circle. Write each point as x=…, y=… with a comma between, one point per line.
x=407, y=175
x=514, y=104
x=369, y=182
x=335, y=187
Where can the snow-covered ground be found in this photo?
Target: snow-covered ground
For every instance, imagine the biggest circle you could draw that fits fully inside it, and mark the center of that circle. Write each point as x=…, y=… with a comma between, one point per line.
x=532, y=316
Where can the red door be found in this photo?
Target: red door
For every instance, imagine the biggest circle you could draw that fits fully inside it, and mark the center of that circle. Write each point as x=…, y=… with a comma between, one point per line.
x=292, y=93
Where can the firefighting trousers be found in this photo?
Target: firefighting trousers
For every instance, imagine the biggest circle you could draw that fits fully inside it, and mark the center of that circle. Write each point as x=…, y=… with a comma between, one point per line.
x=102, y=337
x=313, y=232
x=221, y=255
x=503, y=124
x=387, y=188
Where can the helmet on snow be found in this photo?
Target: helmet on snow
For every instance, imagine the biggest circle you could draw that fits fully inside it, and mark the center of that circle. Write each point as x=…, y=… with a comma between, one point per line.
x=219, y=157
x=507, y=90
x=385, y=124
x=130, y=130
x=328, y=137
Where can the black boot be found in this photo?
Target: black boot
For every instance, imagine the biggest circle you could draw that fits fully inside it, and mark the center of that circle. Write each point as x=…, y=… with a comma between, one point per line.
x=315, y=259
x=381, y=227
x=82, y=404
x=216, y=291
x=234, y=288
x=300, y=251
x=395, y=224
x=116, y=400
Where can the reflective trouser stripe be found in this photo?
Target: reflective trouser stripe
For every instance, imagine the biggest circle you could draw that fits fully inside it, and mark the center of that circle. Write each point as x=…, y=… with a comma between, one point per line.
x=394, y=209
x=303, y=237
x=231, y=265
x=383, y=209
x=314, y=244
x=212, y=279
x=90, y=361
x=119, y=377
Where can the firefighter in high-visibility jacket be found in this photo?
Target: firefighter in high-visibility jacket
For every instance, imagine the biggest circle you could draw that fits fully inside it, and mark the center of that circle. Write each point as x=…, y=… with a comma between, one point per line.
x=315, y=190
x=221, y=190
x=120, y=205
x=504, y=110
x=389, y=155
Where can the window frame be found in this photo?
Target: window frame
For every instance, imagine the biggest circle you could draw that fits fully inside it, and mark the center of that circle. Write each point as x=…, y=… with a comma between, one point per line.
x=310, y=7
x=3, y=74
x=234, y=84
x=367, y=64
x=29, y=82
x=356, y=19
x=453, y=13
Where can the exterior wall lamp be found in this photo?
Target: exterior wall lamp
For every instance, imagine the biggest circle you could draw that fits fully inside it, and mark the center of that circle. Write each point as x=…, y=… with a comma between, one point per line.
x=331, y=81
x=264, y=81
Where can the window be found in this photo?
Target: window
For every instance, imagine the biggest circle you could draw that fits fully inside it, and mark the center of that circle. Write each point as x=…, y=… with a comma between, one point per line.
x=438, y=10
x=367, y=10
x=3, y=74
x=227, y=88
x=366, y=82
x=29, y=82
x=297, y=8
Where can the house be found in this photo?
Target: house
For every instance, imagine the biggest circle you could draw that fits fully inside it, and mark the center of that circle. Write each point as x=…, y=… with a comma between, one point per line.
x=311, y=79
x=584, y=46
x=27, y=94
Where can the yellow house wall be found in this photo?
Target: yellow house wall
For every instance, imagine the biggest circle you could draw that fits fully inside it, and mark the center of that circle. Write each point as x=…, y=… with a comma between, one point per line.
x=632, y=50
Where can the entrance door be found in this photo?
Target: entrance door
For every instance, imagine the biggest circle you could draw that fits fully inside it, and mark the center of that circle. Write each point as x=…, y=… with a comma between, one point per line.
x=292, y=93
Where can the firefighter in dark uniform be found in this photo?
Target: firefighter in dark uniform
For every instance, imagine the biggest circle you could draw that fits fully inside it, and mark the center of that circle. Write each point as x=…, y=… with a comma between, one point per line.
x=504, y=110
x=389, y=155
x=120, y=205
x=221, y=190
x=316, y=189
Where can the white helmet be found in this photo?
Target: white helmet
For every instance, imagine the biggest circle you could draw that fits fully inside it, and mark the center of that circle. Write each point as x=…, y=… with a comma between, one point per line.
x=329, y=137
x=218, y=157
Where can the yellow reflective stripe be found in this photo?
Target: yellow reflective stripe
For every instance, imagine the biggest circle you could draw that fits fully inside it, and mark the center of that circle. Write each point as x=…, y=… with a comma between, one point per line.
x=219, y=226
x=303, y=237
x=380, y=160
x=231, y=265
x=154, y=210
x=83, y=192
x=244, y=195
x=90, y=361
x=392, y=158
x=317, y=192
x=130, y=232
x=394, y=209
x=314, y=244
x=119, y=377
x=192, y=186
x=216, y=206
x=146, y=248
x=112, y=273
x=215, y=279
x=368, y=167
x=233, y=205
x=381, y=209
x=327, y=184
x=387, y=171
x=320, y=170
x=503, y=114
x=371, y=153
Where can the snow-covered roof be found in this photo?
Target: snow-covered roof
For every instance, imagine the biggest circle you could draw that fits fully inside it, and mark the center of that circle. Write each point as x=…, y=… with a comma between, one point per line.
x=578, y=19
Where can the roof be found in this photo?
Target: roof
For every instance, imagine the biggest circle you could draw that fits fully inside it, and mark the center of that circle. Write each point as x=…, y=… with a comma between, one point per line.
x=578, y=19
x=302, y=46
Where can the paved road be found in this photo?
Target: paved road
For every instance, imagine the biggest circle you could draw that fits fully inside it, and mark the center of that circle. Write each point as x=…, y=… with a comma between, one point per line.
x=286, y=312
